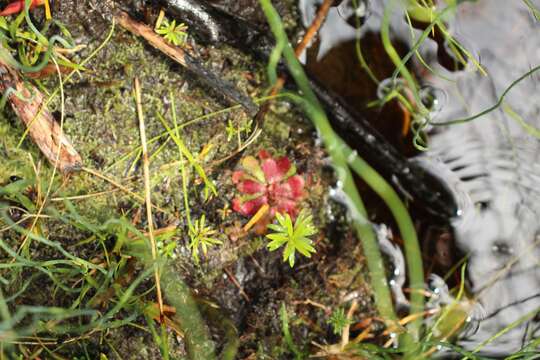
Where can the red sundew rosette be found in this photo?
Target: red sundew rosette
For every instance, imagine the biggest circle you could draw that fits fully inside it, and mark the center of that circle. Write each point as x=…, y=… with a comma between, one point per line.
x=267, y=181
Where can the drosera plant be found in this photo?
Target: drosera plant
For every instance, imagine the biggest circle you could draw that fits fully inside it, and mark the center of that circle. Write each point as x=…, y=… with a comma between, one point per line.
x=268, y=181
x=270, y=188
x=338, y=320
x=295, y=236
x=203, y=236
x=174, y=34
x=236, y=131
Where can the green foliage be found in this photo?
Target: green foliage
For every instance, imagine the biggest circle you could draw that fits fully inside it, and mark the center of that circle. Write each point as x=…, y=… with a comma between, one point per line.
x=338, y=320
x=166, y=244
x=287, y=333
x=236, y=131
x=175, y=34
x=533, y=9
x=295, y=236
x=201, y=235
x=184, y=151
x=26, y=48
x=82, y=285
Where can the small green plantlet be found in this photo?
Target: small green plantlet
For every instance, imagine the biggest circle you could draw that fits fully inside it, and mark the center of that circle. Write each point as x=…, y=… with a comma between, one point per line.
x=231, y=130
x=175, y=34
x=201, y=235
x=246, y=126
x=166, y=244
x=234, y=131
x=295, y=236
x=166, y=249
x=338, y=320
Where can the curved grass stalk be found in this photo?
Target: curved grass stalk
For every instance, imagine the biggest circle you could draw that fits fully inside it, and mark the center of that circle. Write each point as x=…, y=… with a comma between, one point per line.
x=528, y=316
x=459, y=48
x=421, y=113
x=394, y=56
x=418, y=55
x=406, y=227
x=363, y=63
x=414, y=49
x=427, y=13
x=530, y=129
x=358, y=49
x=532, y=8
x=494, y=106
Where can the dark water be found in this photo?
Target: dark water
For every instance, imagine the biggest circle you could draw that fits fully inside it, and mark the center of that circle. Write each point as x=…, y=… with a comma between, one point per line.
x=491, y=163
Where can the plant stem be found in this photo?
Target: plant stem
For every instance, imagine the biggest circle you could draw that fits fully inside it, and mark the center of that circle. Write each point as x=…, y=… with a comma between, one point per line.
x=406, y=228
x=147, y=193
x=332, y=143
x=198, y=343
x=393, y=54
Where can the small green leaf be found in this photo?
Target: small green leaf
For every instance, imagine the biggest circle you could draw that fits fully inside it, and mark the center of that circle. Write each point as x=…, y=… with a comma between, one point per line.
x=295, y=236
x=338, y=320
x=175, y=34
x=201, y=236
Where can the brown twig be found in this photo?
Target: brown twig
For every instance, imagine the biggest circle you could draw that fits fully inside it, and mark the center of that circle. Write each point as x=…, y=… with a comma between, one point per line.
x=314, y=27
x=183, y=58
x=236, y=283
x=28, y=104
x=346, y=330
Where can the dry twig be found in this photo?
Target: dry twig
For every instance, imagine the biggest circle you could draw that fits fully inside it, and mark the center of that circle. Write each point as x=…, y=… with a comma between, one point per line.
x=28, y=104
x=183, y=58
x=147, y=193
x=234, y=280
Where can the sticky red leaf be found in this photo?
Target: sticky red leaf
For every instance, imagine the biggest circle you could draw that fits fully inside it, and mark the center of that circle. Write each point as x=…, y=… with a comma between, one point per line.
x=250, y=207
x=250, y=187
x=18, y=6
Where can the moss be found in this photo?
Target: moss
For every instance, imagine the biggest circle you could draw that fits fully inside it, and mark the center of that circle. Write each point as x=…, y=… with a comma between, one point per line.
x=101, y=121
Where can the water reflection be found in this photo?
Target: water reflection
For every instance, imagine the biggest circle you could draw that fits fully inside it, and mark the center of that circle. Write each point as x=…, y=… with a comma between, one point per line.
x=341, y=21
x=492, y=162
x=497, y=162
